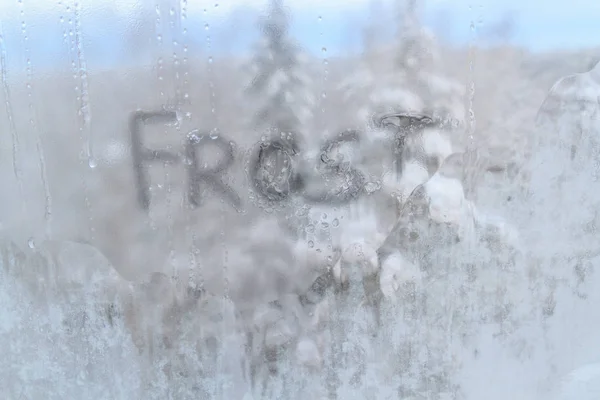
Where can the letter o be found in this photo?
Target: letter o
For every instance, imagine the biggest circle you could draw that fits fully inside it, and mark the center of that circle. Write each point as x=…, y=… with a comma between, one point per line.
x=265, y=185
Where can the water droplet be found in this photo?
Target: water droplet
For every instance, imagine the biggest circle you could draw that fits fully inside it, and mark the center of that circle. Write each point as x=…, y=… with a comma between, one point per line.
x=324, y=216
x=206, y=27
x=92, y=163
x=371, y=187
x=324, y=49
x=210, y=60
x=303, y=211
x=335, y=223
x=31, y=243
x=320, y=18
x=324, y=95
x=324, y=225
x=214, y=134
x=311, y=244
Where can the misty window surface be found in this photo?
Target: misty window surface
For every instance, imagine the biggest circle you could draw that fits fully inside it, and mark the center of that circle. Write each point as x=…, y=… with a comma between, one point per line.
x=367, y=199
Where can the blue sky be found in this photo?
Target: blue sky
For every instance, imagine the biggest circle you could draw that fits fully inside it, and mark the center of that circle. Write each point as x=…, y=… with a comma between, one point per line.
x=536, y=24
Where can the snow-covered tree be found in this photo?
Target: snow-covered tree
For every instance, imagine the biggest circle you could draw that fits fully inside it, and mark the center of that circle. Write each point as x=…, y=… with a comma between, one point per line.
x=409, y=76
x=409, y=53
x=373, y=31
x=374, y=88
x=418, y=59
x=280, y=82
